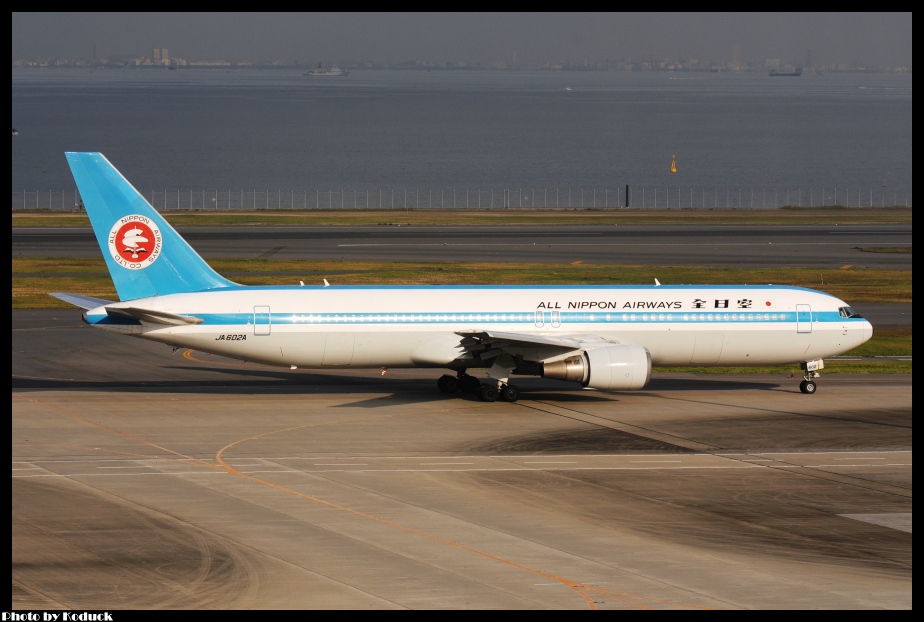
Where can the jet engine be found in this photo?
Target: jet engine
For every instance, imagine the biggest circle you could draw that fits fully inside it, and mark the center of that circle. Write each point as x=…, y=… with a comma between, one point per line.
x=610, y=368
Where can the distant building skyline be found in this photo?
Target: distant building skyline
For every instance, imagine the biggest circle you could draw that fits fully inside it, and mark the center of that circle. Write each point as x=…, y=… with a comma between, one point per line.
x=611, y=41
x=161, y=57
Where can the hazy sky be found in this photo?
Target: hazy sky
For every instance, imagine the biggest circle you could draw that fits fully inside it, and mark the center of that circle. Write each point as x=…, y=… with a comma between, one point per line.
x=529, y=38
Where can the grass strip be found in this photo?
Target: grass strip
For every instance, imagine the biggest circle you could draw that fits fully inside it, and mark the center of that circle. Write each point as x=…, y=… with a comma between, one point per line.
x=500, y=217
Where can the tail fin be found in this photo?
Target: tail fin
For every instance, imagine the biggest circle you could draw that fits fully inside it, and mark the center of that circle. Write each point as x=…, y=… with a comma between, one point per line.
x=144, y=254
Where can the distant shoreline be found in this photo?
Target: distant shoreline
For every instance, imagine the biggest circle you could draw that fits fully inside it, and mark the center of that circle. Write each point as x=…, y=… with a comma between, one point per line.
x=30, y=65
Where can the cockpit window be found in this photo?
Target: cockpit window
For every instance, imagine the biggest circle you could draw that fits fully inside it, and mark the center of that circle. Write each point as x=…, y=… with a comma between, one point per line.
x=848, y=312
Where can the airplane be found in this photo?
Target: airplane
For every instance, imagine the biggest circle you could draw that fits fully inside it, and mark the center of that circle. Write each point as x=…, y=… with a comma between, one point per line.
x=603, y=337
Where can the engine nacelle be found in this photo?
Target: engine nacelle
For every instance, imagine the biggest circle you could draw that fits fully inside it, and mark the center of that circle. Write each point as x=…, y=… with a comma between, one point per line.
x=610, y=368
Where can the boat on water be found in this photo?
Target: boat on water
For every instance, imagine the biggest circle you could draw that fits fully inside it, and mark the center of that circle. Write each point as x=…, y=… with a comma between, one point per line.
x=325, y=71
x=774, y=72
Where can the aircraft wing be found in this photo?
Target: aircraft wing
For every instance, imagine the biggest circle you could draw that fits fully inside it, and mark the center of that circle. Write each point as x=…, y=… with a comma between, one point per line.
x=151, y=316
x=84, y=302
x=485, y=344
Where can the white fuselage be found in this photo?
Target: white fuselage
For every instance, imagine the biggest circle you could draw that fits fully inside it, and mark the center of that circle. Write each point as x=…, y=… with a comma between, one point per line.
x=417, y=326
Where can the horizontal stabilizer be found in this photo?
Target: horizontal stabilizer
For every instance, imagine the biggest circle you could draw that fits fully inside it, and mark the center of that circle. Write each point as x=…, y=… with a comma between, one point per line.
x=84, y=302
x=151, y=316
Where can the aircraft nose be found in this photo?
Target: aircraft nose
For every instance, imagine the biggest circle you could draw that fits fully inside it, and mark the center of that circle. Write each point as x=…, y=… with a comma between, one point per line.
x=866, y=332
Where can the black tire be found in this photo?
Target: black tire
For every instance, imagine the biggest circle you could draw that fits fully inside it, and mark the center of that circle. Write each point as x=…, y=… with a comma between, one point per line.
x=448, y=384
x=808, y=387
x=510, y=393
x=487, y=393
x=469, y=384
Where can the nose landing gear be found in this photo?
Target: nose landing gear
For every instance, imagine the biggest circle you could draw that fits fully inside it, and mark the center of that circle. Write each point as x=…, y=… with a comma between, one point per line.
x=808, y=385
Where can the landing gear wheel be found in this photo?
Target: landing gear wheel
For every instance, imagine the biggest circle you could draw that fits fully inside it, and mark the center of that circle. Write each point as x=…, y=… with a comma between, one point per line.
x=808, y=386
x=510, y=393
x=487, y=393
x=469, y=384
x=448, y=384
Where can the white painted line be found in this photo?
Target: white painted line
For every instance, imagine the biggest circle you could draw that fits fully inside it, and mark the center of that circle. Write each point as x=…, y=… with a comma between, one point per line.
x=210, y=472
x=898, y=520
x=274, y=471
x=818, y=466
x=651, y=461
x=548, y=462
x=821, y=453
x=556, y=456
x=739, y=465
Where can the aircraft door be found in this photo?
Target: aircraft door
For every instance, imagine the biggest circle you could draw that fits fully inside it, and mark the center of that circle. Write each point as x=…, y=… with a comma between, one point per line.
x=803, y=318
x=262, y=320
x=556, y=319
x=540, y=318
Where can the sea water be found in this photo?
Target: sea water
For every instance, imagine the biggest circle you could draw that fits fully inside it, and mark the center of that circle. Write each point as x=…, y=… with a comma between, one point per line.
x=279, y=130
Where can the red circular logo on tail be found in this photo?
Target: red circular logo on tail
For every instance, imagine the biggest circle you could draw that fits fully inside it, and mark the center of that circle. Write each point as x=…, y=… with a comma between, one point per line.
x=135, y=242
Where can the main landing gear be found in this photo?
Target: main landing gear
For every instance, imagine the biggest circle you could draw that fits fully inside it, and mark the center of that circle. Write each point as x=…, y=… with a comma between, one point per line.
x=486, y=392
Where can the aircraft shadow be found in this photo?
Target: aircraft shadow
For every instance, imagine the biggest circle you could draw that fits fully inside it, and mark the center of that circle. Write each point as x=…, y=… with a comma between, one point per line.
x=275, y=382
x=574, y=442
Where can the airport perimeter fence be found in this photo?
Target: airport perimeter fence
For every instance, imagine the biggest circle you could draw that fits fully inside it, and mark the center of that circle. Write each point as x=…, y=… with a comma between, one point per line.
x=492, y=199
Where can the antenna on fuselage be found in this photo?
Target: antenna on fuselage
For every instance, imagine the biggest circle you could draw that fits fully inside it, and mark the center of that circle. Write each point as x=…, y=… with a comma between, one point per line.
x=326, y=284
x=657, y=283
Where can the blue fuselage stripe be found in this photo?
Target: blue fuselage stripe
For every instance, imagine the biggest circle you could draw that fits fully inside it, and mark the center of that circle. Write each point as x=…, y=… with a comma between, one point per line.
x=528, y=318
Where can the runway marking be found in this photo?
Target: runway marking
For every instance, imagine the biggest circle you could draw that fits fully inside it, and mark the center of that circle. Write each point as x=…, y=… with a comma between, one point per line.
x=897, y=520
x=121, y=474
x=819, y=453
x=603, y=422
x=114, y=431
x=41, y=378
x=582, y=589
x=579, y=588
x=443, y=463
x=548, y=462
x=742, y=466
x=734, y=461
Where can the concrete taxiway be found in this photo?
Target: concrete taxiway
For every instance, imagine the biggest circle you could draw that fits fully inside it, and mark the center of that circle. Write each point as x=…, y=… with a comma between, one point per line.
x=822, y=246
x=145, y=479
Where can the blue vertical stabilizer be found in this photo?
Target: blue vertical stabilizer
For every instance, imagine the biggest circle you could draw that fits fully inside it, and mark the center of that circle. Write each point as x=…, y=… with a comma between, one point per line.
x=144, y=254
